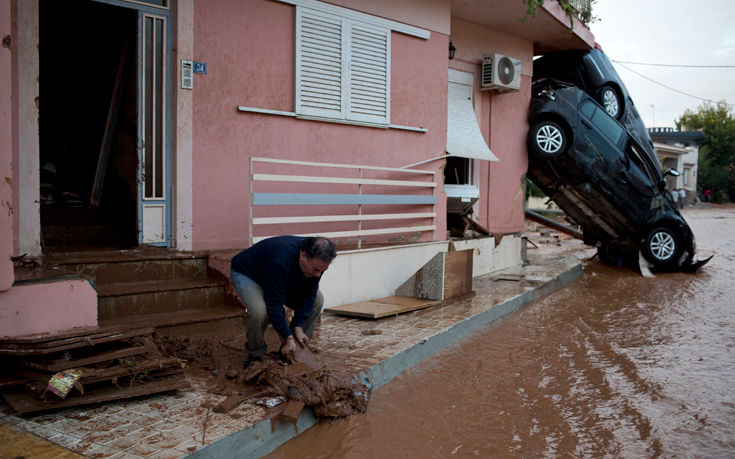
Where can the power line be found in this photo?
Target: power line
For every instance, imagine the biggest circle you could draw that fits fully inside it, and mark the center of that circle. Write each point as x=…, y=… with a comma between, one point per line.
x=677, y=65
x=669, y=87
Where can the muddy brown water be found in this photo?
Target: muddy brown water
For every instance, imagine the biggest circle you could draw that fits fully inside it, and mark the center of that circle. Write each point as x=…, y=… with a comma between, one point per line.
x=613, y=365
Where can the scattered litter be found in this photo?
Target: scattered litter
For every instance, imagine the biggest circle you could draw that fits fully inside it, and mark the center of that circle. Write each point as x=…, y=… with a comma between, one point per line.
x=270, y=402
x=62, y=382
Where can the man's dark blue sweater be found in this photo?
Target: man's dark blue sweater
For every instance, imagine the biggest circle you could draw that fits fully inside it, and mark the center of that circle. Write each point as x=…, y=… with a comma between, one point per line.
x=274, y=265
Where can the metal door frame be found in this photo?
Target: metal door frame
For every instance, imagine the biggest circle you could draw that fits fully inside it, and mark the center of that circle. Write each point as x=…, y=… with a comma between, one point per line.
x=154, y=190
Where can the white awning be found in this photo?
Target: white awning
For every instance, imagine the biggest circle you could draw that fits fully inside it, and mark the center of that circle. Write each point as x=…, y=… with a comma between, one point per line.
x=464, y=138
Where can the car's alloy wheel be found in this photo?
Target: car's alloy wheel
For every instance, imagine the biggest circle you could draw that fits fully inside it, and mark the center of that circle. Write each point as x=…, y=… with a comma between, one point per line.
x=610, y=101
x=547, y=139
x=661, y=246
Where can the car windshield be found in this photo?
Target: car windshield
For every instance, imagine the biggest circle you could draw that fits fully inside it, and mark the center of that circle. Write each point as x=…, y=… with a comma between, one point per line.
x=604, y=122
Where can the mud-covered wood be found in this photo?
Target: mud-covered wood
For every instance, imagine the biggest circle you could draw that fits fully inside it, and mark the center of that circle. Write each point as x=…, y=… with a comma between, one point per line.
x=457, y=273
x=25, y=402
x=382, y=307
x=64, y=363
x=86, y=342
x=41, y=340
x=292, y=410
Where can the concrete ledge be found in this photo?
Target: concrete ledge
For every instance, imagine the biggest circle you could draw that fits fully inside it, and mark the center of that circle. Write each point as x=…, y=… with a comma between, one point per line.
x=265, y=436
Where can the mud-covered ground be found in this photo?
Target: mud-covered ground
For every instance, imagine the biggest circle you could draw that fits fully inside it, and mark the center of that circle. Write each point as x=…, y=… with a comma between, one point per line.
x=613, y=365
x=217, y=357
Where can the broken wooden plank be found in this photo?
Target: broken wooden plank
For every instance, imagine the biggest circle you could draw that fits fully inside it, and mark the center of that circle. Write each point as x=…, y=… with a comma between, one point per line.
x=113, y=111
x=12, y=380
x=382, y=307
x=65, y=364
x=24, y=402
x=40, y=338
x=300, y=368
x=84, y=343
x=304, y=355
x=292, y=410
x=93, y=375
x=58, y=342
x=233, y=401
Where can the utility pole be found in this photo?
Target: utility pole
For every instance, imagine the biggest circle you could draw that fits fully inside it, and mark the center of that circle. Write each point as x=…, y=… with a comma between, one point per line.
x=653, y=115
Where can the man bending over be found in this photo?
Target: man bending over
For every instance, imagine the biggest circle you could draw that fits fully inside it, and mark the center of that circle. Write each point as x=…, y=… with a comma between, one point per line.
x=282, y=270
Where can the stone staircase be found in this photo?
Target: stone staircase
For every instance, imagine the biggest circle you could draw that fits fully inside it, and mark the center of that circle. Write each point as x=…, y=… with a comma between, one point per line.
x=147, y=287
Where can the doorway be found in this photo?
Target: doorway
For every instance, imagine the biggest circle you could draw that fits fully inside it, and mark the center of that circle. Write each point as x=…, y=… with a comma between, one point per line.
x=103, y=125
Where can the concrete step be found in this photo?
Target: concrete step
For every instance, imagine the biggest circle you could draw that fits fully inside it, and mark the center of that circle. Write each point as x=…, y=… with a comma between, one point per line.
x=123, y=299
x=144, y=270
x=148, y=286
x=110, y=266
x=171, y=320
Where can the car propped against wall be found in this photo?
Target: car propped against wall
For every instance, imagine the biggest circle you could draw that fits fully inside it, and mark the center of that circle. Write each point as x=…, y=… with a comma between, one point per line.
x=604, y=179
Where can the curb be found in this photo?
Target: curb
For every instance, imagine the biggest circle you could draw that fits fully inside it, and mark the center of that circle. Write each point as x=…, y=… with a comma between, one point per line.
x=264, y=437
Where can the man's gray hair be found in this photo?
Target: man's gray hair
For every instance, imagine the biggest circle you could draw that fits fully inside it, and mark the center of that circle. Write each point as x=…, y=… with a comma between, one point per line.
x=318, y=247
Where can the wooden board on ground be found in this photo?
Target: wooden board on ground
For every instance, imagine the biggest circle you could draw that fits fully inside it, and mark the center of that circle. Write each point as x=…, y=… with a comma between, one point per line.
x=52, y=339
x=382, y=307
x=86, y=343
x=292, y=410
x=25, y=402
x=233, y=401
x=64, y=364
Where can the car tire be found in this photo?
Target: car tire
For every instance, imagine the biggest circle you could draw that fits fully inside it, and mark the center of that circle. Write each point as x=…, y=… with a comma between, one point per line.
x=609, y=98
x=662, y=247
x=547, y=139
x=609, y=255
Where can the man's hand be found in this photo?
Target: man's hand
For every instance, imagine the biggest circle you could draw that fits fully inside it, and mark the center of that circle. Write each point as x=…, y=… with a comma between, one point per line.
x=289, y=349
x=301, y=337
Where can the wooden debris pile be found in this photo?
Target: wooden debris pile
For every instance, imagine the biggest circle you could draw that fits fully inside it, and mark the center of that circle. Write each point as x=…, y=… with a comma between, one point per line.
x=328, y=394
x=83, y=366
x=288, y=388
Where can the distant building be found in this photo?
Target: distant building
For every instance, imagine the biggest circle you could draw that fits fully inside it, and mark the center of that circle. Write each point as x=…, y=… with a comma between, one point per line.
x=679, y=150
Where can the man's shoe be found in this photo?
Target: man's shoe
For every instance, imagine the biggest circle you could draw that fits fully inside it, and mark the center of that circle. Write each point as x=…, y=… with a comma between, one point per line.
x=247, y=362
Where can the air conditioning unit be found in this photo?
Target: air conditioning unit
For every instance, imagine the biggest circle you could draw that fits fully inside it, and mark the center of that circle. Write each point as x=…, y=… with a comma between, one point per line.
x=500, y=72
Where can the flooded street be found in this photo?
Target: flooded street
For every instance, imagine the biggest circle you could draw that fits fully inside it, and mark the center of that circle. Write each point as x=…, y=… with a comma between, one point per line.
x=613, y=365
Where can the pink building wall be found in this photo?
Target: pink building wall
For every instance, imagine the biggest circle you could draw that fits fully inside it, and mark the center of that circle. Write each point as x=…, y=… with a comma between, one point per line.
x=502, y=119
x=6, y=151
x=260, y=74
x=47, y=307
x=33, y=308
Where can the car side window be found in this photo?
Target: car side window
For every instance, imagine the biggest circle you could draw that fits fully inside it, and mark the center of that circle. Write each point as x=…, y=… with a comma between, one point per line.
x=638, y=158
x=603, y=121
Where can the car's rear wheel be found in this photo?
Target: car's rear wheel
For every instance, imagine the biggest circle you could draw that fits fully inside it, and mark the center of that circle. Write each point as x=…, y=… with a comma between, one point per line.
x=547, y=139
x=610, y=100
x=609, y=255
x=662, y=247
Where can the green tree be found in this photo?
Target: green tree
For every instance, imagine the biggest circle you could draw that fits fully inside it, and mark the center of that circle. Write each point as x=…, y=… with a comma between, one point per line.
x=717, y=150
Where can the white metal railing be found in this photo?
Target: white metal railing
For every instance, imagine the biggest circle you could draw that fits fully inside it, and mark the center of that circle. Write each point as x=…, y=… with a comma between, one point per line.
x=399, y=194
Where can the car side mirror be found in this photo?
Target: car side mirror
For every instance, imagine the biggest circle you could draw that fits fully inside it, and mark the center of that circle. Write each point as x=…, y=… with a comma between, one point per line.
x=672, y=172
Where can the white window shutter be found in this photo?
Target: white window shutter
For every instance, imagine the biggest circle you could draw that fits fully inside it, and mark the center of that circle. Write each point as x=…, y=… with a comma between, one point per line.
x=320, y=73
x=368, y=88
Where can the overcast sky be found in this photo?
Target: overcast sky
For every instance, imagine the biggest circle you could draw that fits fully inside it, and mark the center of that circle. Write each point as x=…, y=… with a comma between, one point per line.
x=681, y=32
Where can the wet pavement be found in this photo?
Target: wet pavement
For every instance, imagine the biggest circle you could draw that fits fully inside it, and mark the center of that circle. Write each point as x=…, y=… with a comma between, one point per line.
x=169, y=426
x=613, y=365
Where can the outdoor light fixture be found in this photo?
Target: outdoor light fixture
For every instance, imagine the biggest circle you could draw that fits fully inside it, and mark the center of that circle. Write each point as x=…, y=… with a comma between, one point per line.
x=452, y=49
